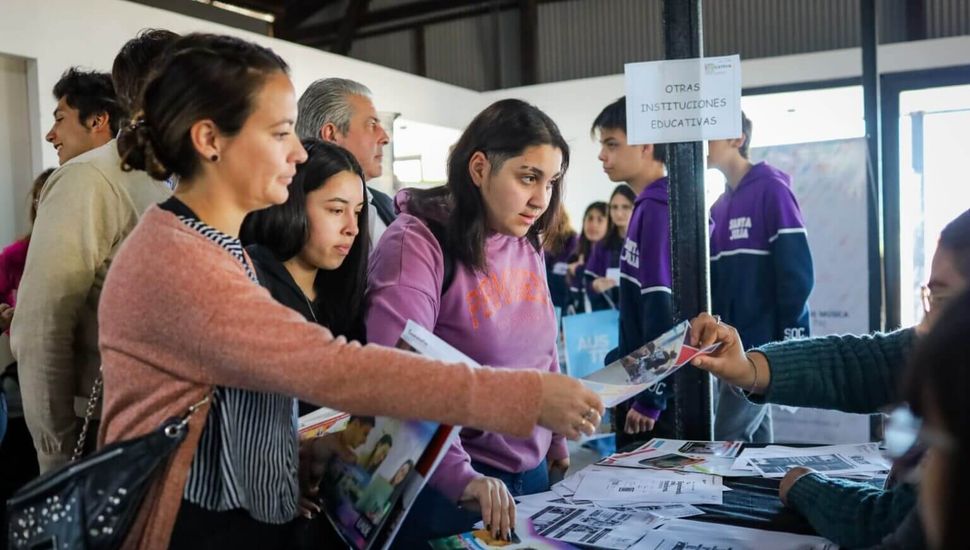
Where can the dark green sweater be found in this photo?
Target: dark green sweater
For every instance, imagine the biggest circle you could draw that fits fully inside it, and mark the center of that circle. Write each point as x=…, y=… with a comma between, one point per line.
x=857, y=374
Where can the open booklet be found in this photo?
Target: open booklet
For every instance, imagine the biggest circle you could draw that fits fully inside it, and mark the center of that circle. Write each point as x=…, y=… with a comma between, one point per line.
x=646, y=366
x=367, y=500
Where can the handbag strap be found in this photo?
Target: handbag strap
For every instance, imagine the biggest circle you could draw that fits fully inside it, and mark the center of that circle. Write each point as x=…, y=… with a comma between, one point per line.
x=96, y=392
x=88, y=416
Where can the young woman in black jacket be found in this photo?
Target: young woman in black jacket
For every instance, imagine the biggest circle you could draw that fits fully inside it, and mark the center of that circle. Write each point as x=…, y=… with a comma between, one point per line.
x=311, y=251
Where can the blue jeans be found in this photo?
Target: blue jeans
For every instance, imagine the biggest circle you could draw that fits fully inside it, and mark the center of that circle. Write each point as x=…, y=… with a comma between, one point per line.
x=530, y=482
x=433, y=516
x=737, y=419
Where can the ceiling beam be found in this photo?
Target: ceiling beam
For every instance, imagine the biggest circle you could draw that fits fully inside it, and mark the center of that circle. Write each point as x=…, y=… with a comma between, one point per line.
x=296, y=12
x=356, y=10
x=419, y=51
x=915, y=20
x=529, y=40
x=413, y=11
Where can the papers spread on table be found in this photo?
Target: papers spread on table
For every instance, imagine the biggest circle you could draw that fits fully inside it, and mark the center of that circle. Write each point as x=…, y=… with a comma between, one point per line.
x=644, y=508
x=646, y=366
x=863, y=459
x=681, y=534
x=706, y=457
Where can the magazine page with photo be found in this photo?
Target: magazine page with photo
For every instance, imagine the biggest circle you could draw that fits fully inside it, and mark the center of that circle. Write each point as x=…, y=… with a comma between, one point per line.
x=367, y=499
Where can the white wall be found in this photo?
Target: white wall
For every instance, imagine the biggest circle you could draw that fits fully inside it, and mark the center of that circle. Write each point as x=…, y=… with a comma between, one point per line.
x=56, y=34
x=574, y=104
x=15, y=164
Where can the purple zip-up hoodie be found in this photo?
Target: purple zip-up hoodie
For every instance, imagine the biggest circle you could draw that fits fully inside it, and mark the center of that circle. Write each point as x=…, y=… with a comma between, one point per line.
x=501, y=319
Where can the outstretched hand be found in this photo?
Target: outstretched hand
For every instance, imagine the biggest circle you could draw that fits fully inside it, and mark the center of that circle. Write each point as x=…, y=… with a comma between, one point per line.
x=567, y=407
x=729, y=361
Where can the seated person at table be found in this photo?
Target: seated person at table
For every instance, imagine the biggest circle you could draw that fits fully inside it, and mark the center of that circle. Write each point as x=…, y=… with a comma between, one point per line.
x=480, y=286
x=858, y=374
x=938, y=385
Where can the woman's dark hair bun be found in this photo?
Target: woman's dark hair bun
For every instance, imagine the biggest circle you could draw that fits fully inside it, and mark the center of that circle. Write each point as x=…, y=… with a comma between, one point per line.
x=137, y=150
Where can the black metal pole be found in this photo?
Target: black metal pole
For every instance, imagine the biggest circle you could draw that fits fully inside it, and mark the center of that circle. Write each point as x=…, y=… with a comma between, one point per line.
x=870, y=87
x=692, y=406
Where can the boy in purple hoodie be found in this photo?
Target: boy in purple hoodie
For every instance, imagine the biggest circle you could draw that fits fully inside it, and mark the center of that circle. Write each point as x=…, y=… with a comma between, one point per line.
x=646, y=298
x=465, y=260
x=761, y=269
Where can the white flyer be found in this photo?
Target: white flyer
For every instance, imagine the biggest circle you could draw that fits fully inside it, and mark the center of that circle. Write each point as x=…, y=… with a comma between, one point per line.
x=646, y=366
x=775, y=461
x=706, y=457
x=599, y=527
x=684, y=534
x=628, y=485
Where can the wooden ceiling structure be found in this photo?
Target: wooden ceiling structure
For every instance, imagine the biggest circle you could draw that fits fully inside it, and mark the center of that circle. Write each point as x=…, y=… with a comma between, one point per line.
x=333, y=25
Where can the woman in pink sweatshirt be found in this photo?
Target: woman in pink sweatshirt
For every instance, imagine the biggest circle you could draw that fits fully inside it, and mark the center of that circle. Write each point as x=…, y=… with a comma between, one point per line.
x=465, y=260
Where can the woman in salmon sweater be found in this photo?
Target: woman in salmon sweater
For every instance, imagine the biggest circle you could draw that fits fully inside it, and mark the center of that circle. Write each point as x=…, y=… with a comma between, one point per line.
x=182, y=315
x=480, y=285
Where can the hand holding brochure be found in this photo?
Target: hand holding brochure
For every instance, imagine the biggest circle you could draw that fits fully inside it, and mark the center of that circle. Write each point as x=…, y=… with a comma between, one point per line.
x=646, y=366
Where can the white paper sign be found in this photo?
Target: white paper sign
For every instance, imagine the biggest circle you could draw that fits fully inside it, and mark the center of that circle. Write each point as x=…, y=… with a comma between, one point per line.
x=683, y=100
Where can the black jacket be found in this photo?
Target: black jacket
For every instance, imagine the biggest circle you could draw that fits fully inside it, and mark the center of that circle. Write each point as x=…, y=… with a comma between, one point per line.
x=384, y=205
x=274, y=277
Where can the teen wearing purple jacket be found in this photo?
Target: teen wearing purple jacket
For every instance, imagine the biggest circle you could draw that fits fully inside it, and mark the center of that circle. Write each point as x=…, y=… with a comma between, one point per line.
x=465, y=260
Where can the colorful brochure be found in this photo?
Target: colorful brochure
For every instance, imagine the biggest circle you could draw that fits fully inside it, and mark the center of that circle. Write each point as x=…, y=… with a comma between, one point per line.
x=646, y=366
x=367, y=500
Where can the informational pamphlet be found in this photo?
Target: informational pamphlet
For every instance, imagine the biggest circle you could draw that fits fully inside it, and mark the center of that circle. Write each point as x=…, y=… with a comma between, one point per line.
x=367, y=499
x=775, y=460
x=681, y=534
x=646, y=366
x=623, y=485
x=481, y=539
x=706, y=457
x=321, y=421
x=597, y=527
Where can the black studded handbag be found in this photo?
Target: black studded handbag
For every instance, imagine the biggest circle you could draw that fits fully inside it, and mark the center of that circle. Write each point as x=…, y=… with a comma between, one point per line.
x=90, y=503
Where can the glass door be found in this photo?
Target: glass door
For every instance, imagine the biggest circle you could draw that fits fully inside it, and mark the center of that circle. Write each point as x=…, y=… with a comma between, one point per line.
x=934, y=129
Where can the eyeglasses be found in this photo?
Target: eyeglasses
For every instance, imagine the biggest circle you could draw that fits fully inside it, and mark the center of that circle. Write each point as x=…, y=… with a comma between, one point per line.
x=930, y=299
x=904, y=431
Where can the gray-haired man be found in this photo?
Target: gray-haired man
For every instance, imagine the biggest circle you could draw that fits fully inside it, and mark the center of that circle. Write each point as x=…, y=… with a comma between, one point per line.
x=341, y=111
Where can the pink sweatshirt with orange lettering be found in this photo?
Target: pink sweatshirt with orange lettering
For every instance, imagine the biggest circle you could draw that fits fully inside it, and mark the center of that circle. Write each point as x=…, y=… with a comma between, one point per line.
x=503, y=318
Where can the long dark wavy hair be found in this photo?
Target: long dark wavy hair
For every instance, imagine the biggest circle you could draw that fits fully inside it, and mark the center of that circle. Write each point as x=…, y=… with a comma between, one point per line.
x=284, y=230
x=502, y=131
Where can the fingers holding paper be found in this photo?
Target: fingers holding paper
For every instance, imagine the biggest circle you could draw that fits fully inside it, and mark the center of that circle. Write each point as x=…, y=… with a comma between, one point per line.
x=569, y=408
x=728, y=361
